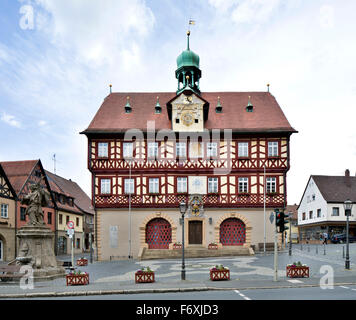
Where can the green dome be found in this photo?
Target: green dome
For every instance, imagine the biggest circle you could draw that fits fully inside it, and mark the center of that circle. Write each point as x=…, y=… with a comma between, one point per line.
x=188, y=59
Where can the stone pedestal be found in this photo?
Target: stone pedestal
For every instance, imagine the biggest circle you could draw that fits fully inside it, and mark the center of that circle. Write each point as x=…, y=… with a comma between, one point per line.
x=36, y=250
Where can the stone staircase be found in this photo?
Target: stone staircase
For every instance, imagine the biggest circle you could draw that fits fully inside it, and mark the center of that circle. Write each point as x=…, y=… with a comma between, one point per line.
x=194, y=252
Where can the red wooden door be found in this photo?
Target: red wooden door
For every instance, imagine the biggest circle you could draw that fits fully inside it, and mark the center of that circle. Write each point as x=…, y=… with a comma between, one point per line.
x=158, y=234
x=232, y=232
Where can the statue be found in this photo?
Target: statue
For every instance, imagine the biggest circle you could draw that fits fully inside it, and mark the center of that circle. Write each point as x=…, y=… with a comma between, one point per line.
x=35, y=200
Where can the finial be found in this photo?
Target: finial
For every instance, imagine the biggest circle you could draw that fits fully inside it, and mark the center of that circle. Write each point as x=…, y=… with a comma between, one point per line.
x=267, y=87
x=188, y=34
x=110, y=88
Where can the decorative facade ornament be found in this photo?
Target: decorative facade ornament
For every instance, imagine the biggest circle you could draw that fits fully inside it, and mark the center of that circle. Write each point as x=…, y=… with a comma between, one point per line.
x=195, y=206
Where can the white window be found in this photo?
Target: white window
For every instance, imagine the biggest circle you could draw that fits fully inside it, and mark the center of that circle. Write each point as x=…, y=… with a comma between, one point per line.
x=182, y=185
x=211, y=149
x=213, y=185
x=243, y=185
x=154, y=185
x=105, y=186
x=103, y=149
x=129, y=186
x=310, y=214
x=273, y=148
x=318, y=213
x=4, y=210
x=127, y=150
x=271, y=185
x=181, y=149
x=152, y=149
x=335, y=211
x=243, y=149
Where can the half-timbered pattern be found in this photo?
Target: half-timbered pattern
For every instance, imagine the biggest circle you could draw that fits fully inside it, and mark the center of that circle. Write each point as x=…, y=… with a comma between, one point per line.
x=7, y=217
x=148, y=152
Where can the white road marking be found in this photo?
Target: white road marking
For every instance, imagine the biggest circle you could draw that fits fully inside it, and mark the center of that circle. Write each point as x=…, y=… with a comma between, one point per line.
x=295, y=281
x=242, y=295
x=344, y=287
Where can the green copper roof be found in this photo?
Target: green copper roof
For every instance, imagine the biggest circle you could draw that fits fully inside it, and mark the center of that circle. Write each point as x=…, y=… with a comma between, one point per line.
x=188, y=58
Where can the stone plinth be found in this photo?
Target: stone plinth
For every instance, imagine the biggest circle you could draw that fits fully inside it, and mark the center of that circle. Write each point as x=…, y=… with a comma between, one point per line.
x=36, y=250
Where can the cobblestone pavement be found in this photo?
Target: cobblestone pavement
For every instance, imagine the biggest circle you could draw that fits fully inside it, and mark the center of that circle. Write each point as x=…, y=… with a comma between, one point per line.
x=245, y=272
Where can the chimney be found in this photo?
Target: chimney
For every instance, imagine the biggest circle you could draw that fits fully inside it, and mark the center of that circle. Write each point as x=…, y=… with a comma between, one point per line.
x=347, y=173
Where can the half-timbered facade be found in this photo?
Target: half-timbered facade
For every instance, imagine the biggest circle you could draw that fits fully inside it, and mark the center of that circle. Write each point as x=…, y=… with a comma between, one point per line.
x=7, y=217
x=225, y=154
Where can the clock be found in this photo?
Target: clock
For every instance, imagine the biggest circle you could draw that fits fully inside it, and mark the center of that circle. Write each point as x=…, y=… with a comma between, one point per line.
x=188, y=99
x=187, y=118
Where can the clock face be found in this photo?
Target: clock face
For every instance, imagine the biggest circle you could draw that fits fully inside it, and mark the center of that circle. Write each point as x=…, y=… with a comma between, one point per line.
x=187, y=118
x=188, y=99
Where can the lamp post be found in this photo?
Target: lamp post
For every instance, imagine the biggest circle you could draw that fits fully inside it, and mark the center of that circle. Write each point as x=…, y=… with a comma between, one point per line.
x=183, y=209
x=348, y=207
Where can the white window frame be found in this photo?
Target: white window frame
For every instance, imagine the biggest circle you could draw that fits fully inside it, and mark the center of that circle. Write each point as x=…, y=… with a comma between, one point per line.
x=153, y=185
x=4, y=210
x=271, y=185
x=273, y=148
x=103, y=149
x=213, y=185
x=243, y=185
x=182, y=184
x=181, y=149
x=211, y=149
x=129, y=186
x=127, y=148
x=105, y=186
x=338, y=212
x=152, y=149
x=243, y=149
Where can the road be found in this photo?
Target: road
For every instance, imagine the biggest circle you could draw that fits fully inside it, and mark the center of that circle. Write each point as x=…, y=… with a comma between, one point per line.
x=304, y=293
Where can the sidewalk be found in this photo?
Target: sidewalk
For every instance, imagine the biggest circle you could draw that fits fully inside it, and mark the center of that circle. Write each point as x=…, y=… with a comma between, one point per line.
x=117, y=277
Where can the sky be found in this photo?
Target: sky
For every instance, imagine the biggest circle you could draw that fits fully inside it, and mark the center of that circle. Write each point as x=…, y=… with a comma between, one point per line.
x=58, y=57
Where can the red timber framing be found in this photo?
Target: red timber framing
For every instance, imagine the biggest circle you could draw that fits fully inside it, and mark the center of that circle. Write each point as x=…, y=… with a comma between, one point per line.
x=167, y=168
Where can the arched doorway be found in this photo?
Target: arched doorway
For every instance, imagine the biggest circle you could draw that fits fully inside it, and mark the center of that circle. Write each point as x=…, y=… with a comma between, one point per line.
x=232, y=232
x=158, y=234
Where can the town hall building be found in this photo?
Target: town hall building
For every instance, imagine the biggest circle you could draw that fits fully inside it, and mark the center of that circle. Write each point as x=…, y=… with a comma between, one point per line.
x=224, y=154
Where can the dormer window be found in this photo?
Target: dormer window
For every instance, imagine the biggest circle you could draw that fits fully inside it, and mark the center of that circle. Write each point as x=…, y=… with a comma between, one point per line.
x=249, y=107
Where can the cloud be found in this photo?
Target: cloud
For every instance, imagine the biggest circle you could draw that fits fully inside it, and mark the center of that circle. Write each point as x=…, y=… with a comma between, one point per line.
x=10, y=120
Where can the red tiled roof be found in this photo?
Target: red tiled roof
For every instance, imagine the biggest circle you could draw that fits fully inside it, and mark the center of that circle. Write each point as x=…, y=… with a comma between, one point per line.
x=71, y=189
x=18, y=172
x=267, y=116
x=293, y=209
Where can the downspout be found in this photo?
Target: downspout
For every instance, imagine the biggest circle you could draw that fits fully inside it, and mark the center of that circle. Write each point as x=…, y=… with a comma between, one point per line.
x=15, y=228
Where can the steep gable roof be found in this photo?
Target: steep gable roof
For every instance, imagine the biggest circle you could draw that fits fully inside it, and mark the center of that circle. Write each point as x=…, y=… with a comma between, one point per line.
x=10, y=192
x=336, y=188
x=71, y=189
x=267, y=116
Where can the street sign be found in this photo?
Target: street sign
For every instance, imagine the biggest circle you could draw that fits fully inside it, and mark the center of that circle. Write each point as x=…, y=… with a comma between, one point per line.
x=70, y=232
x=271, y=217
x=70, y=225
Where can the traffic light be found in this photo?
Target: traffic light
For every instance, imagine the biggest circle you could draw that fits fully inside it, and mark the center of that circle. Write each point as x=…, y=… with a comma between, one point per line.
x=283, y=226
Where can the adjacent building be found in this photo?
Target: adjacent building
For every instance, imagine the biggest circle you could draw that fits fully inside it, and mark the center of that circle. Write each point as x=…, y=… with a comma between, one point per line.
x=225, y=154
x=7, y=217
x=321, y=208
x=68, y=202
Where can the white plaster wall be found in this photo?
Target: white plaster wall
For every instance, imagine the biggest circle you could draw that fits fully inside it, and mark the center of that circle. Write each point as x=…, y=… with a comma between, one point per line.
x=308, y=204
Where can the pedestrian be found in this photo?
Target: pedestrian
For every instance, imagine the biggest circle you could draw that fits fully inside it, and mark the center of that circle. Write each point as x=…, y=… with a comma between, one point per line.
x=325, y=238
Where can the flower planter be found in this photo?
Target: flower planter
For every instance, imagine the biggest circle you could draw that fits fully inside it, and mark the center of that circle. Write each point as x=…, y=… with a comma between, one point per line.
x=216, y=275
x=212, y=246
x=144, y=277
x=297, y=272
x=82, y=262
x=77, y=279
x=177, y=246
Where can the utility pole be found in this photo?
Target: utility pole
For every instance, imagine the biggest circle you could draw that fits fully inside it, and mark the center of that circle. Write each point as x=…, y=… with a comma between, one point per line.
x=275, y=278
x=264, y=209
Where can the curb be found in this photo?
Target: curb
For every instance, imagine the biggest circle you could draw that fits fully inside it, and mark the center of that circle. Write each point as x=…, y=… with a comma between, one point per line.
x=138, y=291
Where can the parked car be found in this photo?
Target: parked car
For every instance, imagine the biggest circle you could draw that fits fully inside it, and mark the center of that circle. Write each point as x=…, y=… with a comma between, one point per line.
x=341, y=238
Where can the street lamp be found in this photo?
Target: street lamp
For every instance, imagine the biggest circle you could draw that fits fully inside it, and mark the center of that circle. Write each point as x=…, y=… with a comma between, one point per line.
x=348, y=207
x=183, y=209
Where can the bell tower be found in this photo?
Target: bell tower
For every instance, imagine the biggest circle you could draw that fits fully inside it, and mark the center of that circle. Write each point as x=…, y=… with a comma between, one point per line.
x=188, y=73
